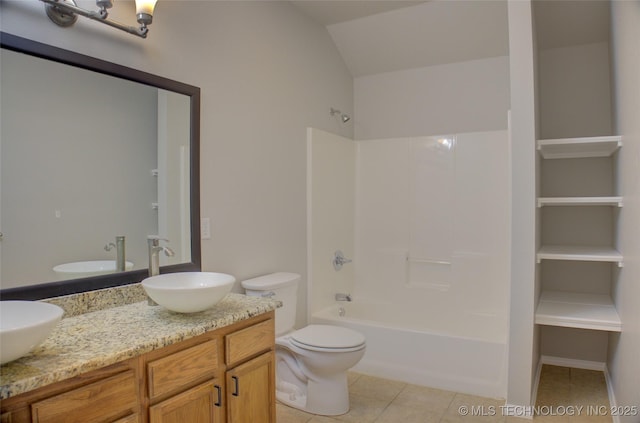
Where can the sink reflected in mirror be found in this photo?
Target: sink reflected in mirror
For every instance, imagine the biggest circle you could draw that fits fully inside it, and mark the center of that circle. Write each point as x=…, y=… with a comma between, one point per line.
x=24, y=325
x=85, y=269
x=188, y=292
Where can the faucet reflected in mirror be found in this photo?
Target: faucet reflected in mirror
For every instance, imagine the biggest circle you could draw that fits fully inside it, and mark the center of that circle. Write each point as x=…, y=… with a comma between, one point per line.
x=120, y=252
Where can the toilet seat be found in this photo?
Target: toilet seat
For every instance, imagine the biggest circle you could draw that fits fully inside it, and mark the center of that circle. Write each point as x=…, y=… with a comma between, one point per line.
x=327, y=338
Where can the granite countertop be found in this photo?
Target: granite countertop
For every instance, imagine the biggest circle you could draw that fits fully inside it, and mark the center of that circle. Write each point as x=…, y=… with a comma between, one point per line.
x=95, y=339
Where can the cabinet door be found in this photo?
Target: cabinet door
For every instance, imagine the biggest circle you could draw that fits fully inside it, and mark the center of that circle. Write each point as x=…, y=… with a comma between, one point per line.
x=251, y=391
x=201, y=404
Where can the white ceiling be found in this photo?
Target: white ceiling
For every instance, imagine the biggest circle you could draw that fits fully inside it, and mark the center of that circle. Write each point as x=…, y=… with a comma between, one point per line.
x=382, y=36
x=375, y=36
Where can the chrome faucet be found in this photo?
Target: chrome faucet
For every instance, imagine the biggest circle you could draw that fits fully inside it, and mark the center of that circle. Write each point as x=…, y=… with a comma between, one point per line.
x=154, y=253
x=343, y=297
x=154, y=258
x=339, y=260
x=120, y=252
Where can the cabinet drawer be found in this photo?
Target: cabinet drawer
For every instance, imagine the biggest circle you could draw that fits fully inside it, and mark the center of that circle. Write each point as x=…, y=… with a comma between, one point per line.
x=249, y=341
x=103, y=401
x=180, y=370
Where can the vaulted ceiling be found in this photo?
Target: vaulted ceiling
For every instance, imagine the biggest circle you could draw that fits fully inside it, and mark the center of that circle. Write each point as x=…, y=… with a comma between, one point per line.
x=375, y=36
x=382, y=36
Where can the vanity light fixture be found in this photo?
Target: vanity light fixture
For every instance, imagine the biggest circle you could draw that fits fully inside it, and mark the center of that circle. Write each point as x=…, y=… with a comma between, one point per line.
x=65, y=13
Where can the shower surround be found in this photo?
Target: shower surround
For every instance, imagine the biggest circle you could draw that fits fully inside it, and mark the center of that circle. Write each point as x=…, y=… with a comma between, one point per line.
x=426, y=220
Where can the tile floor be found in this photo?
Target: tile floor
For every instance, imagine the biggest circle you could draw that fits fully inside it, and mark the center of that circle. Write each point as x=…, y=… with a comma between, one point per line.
x=386, y=401
x=584, y=390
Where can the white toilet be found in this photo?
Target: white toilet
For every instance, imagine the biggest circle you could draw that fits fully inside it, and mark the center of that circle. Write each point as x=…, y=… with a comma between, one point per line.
x=312, y=362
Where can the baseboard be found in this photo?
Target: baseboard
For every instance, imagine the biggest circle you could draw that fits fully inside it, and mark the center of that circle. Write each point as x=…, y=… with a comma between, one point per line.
x=572, y=362
x=536, y=383
x=612, y=396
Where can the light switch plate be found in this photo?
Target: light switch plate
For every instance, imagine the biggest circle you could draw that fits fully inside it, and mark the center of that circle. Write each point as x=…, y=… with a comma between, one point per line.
x=205, y=228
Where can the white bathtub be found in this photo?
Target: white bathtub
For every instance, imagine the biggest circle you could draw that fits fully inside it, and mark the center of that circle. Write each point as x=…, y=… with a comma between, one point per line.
x=463, y=352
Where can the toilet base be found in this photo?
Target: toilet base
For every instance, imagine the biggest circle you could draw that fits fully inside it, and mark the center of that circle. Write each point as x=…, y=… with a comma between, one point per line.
x=289, y=394
x=327, y=396
x=314, y=379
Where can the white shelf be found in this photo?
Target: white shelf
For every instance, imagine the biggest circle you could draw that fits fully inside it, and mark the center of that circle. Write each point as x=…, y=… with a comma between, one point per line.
x=579, y=253
x=567, y=148
x=580, y=201
x=577, y=310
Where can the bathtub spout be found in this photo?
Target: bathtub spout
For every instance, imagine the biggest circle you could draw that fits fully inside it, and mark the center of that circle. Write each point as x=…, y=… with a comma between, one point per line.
x=343, y=297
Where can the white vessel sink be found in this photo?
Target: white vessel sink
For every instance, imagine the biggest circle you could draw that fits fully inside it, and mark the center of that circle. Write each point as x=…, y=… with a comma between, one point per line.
x=188, y=292
x=24, y=325
x=81, y=269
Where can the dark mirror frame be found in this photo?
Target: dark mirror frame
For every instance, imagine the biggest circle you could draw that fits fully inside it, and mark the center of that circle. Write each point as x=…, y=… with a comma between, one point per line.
x=56, y=289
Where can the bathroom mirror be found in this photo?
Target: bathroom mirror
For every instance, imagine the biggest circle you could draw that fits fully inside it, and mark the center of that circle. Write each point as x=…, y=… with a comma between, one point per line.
x=89, y=151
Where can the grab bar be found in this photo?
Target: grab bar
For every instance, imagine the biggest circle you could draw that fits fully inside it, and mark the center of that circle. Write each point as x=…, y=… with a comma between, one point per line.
x=426, y=260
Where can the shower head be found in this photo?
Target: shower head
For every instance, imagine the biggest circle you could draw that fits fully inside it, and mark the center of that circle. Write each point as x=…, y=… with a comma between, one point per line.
x=343, y=116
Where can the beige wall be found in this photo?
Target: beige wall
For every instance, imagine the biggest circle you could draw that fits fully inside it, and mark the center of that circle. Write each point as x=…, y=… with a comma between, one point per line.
x=567, y=109
x=266, y=72
x=471, y=96
x=624, y=348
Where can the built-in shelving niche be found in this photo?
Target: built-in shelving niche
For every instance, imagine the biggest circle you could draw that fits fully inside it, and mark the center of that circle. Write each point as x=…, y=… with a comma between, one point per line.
x=579, y=309
x=576, y=148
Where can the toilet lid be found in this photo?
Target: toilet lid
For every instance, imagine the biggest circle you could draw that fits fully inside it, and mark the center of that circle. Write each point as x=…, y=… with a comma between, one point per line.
x=325, y=336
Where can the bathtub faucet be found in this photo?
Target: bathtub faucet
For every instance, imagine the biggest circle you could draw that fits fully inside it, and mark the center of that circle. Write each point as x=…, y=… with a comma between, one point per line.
x=343, y=297
x=339, y=260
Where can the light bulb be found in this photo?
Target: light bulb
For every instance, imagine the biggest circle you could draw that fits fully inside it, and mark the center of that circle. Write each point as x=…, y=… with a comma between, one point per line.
x=144, y=12
x=145, y=7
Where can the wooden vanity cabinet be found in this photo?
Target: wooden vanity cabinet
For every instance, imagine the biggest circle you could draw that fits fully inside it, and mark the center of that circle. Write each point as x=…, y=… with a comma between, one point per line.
x=250, y=378
x=226, y=375
x=108, y=395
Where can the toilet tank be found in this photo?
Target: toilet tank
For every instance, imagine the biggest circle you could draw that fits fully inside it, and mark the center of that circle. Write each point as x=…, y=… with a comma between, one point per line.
x=281, y=286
